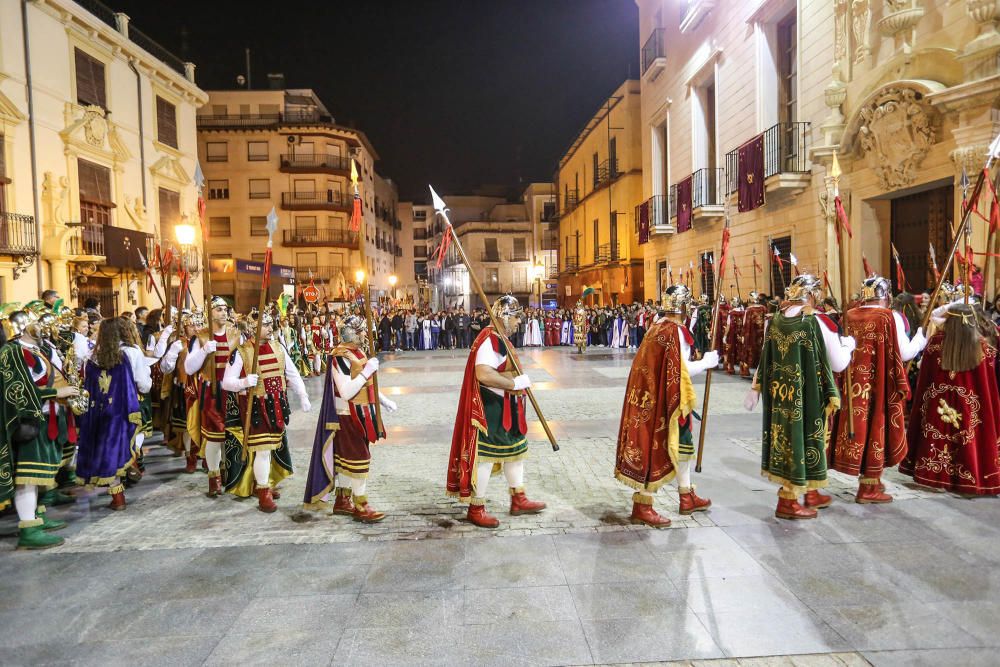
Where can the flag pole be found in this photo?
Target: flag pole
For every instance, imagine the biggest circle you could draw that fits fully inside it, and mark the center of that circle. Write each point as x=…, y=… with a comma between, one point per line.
x=755, y=269
x=357, y=224
x=844, y=287
x=439, y=207
x=265, y=280
x=715, y=327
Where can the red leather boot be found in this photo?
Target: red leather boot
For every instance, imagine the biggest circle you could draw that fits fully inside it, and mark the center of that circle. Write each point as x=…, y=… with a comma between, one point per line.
x=872, y=493
x=744, y=371
x=643, y=512
x=117, y=498
x=691, y=503
x=364, y=512
x=478, y=516
x=342, y=503
x=817, y=500
x=265, y=501
x=192, y=463
x=214, y=485
x=275, y=493
x=519, y=503
x=789, y=508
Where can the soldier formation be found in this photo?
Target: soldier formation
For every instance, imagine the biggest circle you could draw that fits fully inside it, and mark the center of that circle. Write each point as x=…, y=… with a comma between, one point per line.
x=81, y=395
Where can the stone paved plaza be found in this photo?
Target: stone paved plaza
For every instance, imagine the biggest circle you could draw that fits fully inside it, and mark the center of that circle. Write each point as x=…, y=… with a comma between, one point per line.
x=179, y=579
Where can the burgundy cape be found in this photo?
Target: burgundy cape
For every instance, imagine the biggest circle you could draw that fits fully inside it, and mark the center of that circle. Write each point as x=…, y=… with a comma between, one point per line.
x=879, y=394
x=953, y=432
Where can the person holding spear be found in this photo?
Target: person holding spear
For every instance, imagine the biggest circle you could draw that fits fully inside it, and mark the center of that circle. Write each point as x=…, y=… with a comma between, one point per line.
x=491, y=425
x=655, y=442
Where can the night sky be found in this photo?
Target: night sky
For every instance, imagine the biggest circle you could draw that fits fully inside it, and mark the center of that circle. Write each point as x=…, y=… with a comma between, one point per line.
x=458, y=93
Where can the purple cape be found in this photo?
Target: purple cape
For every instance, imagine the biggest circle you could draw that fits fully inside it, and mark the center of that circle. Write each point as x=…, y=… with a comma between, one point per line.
x=108, y=428
x=321, y=477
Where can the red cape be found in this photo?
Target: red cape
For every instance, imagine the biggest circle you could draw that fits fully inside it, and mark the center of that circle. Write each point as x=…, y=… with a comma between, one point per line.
x=471, y=419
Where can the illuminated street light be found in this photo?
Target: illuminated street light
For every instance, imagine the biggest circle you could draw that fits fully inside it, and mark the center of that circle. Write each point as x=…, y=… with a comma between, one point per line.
x=359, y=275
x=185, y=235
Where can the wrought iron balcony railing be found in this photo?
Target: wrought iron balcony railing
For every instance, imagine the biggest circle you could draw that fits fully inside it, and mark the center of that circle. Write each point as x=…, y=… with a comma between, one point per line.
x=329, y=200
x=652, y=49
x=86, y=239
x=17, y=234
x=320, y=237
x=706, y=188
x=335, y=163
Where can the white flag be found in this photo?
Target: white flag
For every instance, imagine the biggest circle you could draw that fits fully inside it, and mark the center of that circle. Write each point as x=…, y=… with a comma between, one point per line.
x=793, y=259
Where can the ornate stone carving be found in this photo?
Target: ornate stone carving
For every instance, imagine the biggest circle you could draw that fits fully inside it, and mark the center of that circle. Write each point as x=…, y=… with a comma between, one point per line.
x=861, y=23
x=89, y=130
x=980, y=55
x=95, y=127
x=840, y=30
x=897, y=130
x=970, y=159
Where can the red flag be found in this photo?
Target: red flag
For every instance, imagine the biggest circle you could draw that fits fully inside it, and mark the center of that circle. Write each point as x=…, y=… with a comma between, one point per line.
x=166, y=261
x=757, y=266
x=826, y=280
x=356, y=213
x=724, y=255
x=442, y=249
x=868, y=268
x=842, y=217
x=736, y=269
x=994, y=215
x=900, y=275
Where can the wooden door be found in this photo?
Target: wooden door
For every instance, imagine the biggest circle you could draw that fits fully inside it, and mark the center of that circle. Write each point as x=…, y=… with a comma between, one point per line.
x=918, y=221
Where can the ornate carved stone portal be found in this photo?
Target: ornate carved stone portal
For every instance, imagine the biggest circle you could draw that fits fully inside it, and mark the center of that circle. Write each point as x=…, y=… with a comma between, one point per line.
x=897, y=130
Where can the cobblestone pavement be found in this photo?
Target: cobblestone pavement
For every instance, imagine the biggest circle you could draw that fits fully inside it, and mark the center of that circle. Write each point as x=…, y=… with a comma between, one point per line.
x=181, y=579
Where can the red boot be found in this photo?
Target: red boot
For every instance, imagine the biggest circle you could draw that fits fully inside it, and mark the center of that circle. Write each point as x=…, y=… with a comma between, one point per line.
x=342, y=503
x=691, y=503
x=643, y=512
x=817, y=500
x=364, y=512
x=478, y=516
x=744, y=371
x=192, y=463
x=519, y=503
x=214, y=485
x=117, y=498
x=872, y=494
x=275, y=493
x=265, y=501
x=789, y=508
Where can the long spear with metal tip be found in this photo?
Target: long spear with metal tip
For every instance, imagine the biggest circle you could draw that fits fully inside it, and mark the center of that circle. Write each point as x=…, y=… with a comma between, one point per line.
x=715, y=327
x=441, y=209
x=843, y=225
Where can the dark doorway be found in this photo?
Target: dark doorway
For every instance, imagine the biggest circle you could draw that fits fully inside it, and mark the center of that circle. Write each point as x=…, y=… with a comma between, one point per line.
x=919, y=221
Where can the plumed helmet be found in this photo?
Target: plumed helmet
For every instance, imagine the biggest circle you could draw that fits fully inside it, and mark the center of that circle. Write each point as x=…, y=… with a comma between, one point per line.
x=352, y=329
x=506, y=306
x=876, y=288
x=676, y=299
x=802, y=287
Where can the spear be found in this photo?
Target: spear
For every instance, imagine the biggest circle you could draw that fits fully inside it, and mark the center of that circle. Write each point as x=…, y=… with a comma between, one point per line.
x=755, y=266
x=442, y=210
x=994, y=152
x=715, y=327
x=736, y=275
x=265, y=280
x=356, y=225
x=843, y=225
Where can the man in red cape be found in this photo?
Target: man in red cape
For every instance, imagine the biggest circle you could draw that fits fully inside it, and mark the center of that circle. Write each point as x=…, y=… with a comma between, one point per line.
x=734, y=336
x=655, y=443
x=879, y=393
x=490, y=428
x=753, y=334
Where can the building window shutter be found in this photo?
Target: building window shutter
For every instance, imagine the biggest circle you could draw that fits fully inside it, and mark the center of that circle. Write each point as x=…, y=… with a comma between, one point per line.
x=95, y=183
x=166, y=122
x=89, y=80
x=170, y=212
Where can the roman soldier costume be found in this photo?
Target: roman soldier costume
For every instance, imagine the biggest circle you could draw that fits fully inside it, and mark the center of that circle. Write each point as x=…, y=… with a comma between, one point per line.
x=954, y=426
x=490, y=428
x=207, y=358
x=754, y=318
x=875, y=437
x=185, y=414
x=655, y=443
x=701, y=326
x=802, y=351
x=734, y=335
x=257, y=461
x=719, y=344
x=348, y=425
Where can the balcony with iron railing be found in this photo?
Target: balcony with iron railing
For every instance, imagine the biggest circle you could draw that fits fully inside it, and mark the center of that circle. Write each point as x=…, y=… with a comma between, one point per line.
x=786, y=159
x=249, y=120
x=571, y=199
x=17, y=234
x=658, y=211
x=331, y=200
x=291, y=163
x=607, y=253
x=488, y=256
x=550, y=239
x=707, y=191
x=518, y=256
x=339, y=238
x=571, y=263
x=85, y=241
x=654, y=57
x=323, y=273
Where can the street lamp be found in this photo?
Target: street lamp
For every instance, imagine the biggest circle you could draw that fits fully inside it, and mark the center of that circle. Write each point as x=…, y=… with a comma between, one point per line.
x=392, y=284
x=359, y=276
x=539, y=273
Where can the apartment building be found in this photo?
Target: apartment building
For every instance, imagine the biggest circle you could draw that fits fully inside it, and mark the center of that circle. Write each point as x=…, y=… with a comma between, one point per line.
x=97, y=154
x=745, y=105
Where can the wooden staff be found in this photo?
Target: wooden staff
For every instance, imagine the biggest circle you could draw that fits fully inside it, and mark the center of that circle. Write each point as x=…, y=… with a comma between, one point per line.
x=714, y=331
x=844, y=293
x=367, y=293
x=440, y=208
x=989, y=266
x=272, y=224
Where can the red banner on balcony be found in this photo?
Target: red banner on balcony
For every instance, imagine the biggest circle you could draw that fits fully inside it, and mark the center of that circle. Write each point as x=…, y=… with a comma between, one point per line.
x=644, y=223
x=750, y=174
x=684, y=205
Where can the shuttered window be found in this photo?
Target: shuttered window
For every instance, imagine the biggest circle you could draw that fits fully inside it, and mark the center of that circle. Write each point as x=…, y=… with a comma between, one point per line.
x=217, y=151
x=258, y=225
x=170, y=212
x=95, y=183
x=90, y=80
x=166, y=122
x=219, y=227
